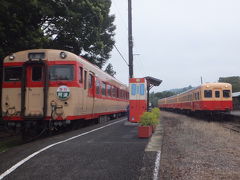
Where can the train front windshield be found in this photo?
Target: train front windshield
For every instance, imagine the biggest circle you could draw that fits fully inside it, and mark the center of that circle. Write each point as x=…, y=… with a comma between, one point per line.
x=226, y=93
x=12, y=74
x=61, y=72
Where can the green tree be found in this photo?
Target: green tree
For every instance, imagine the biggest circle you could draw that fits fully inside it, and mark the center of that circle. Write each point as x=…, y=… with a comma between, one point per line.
x=234, y=80
x=83, y=27
x=19, y=26
x=109, y=70
x=154, y=97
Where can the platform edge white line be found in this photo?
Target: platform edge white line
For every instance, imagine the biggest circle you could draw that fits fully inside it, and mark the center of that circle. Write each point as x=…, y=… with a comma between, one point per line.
x=157, y=165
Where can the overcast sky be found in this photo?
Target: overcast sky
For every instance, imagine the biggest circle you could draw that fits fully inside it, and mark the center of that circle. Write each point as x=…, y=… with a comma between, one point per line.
x=179, y=40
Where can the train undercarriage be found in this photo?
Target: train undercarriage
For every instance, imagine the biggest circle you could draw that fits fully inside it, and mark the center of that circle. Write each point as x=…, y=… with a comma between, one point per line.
x=31, y=129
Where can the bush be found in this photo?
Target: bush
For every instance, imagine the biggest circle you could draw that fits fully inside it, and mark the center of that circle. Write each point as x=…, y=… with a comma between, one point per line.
x=146, y=119
x=150, y=118
x=156, y=112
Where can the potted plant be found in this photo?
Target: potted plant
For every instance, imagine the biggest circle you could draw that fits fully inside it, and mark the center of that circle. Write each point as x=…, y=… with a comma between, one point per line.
x=145, y=125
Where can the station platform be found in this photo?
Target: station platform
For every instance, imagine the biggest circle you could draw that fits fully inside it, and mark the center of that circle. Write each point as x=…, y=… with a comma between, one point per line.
x=235, y=112
x=104, y=151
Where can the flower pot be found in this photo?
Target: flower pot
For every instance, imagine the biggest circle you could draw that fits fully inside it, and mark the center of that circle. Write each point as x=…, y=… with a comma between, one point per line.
x=144, y=131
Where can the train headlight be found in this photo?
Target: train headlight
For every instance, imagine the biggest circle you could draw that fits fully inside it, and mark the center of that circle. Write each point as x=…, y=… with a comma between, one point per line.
x=63, y=55
x=11, y=57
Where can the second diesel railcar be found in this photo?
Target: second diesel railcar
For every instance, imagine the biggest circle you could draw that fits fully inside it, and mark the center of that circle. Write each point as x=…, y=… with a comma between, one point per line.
x=209, y=97
x=43, y=85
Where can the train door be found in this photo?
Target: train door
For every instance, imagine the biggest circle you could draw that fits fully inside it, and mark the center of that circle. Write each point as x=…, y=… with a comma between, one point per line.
x=91, y=92
x=85, y=91
x=217, y=97
x=33, y=91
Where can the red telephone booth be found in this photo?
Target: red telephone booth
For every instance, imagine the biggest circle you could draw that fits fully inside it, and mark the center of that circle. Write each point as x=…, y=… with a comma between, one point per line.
x=137, y=98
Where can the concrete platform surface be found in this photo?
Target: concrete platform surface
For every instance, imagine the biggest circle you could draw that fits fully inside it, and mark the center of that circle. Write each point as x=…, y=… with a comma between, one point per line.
x=113, y=152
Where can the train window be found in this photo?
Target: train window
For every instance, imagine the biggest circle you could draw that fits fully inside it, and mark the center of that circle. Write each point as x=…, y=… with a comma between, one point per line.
x=133, y=89
x=217, y=94
x=142, y=89
x=36, y=73
x=13, y=74
x=61, y=72
x=90, y=81
x=226, y=93
x=116, y=92
x=98, y=87
x=85, y=79
x=109, y=90
x=80, y=74
x=113, y=91
x=104, y=89
x=207, y=93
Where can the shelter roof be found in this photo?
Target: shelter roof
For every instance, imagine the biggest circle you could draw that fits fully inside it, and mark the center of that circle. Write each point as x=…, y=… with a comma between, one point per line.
x=153, y=81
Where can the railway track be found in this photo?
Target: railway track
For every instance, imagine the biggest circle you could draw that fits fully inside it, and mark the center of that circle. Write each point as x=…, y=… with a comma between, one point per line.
x=233, y=127
x=228, y=121
x=231, y=122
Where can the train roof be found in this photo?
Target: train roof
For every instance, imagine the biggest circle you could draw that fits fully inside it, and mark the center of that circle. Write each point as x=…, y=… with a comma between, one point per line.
x=54, y=55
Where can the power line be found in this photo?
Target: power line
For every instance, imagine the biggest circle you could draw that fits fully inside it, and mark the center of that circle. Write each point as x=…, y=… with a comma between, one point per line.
x=120, y=54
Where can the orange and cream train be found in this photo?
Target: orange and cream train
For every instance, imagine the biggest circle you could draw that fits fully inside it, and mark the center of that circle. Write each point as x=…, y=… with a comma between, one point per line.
x=43, y=85
x=209, y=97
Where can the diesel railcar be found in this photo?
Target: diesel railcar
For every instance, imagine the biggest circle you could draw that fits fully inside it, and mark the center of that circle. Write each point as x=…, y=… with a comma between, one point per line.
x=209, y=97
x=47, y=85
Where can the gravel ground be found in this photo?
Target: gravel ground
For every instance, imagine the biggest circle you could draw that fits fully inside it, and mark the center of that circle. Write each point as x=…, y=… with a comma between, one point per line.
x=197, y=149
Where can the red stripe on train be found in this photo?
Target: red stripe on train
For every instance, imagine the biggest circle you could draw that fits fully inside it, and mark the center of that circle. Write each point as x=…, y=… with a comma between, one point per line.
x=201, y=105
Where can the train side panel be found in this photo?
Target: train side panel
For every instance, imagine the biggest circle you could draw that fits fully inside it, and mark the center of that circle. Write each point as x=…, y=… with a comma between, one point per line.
x=207, y=97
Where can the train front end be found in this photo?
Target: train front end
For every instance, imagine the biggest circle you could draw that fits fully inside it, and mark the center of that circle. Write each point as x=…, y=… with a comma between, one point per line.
x=216, y=97
x=37, y=86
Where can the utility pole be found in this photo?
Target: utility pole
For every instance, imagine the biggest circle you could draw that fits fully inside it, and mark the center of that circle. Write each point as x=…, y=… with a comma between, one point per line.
x=130, y=39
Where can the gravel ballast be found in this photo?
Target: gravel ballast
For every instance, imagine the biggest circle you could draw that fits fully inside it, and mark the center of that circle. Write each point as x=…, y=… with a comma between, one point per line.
x=197, y=149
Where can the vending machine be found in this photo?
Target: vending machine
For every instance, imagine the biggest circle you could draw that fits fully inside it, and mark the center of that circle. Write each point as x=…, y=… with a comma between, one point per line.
x=137, y=98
